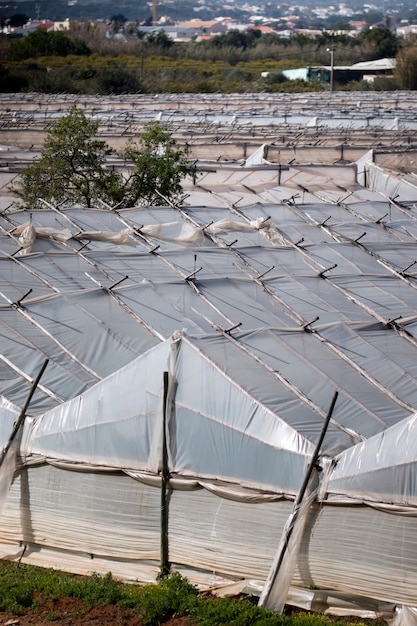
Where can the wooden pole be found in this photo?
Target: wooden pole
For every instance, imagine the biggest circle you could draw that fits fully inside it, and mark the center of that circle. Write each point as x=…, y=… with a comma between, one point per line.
x=165, y=565
x=22, y=414
x=280, y=558
x=316, y=451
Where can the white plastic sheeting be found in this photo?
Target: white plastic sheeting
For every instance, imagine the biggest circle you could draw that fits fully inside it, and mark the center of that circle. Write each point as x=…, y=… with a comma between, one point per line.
x=260, y=302
x=218, y=433
x=113, y=523
x=381, y=469
x=108, y=425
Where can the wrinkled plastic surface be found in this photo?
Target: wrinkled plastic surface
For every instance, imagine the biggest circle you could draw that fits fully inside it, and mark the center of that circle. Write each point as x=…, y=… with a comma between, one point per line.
x=260, y=297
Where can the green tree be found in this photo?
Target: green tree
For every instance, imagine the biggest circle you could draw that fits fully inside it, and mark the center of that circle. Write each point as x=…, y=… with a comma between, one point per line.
x=71, y=167
x=235, y=39
x=116, y=78
x=12, y=80
x=406, y=68
x=378, y=42
x=41, y=43
x=159, y=39
x=157, y=167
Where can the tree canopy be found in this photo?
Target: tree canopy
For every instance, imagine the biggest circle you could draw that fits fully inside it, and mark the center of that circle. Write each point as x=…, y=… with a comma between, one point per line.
x=74, y=168
x=158, y=165
x=406, y=69
x=41, y=43
x=378, y=42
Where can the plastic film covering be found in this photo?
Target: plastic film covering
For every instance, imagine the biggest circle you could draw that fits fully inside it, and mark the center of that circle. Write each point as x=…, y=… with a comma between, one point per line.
x=382, y=469
x=116, y=518
x=89, y=331
x=219, y=431
x=9, y=463
x=10, y=449
x=114, y=521
x=224, y=536
x=112, y=516
x=9, y=414
x=114, y=424
x=287, y=284
x=284, y=401
x=275, y=592
x=392, y=185
x=404, y=616
x=215, y=429
x=359, y=550
x=324, y=366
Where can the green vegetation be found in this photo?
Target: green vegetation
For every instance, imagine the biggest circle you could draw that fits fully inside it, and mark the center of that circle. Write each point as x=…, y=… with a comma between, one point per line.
x=41, y=43
x=84, y=60
x=25, y=587
x=406, y=70
x=157, y=167
x=73, y=167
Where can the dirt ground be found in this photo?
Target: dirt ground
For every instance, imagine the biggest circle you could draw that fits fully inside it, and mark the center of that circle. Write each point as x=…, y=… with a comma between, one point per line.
x=71, y=612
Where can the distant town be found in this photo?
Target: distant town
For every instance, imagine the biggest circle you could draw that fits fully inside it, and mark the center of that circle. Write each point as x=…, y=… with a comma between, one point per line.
x=184, y=21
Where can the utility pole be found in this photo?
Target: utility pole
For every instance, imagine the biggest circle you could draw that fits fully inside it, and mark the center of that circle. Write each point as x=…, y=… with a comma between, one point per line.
x=154, y=17
x=331, y=50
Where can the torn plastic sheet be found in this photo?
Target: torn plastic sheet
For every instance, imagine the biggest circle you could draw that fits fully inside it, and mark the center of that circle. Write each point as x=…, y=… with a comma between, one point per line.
x=121, y=237
x=258, y=157
x=404, y=616
x=325, y=601
x=170, y=231
x=45, y=232
x=27, y=239
x=27, y=234
x=279, y=579
x=227, y=225
x=173, y=231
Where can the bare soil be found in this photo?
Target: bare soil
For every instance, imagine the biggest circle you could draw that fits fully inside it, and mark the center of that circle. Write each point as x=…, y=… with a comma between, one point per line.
x=72, y=612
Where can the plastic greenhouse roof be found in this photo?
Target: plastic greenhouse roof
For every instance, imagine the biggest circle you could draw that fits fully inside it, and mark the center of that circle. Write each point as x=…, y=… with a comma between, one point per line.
x=292, y=284
x=259, y=278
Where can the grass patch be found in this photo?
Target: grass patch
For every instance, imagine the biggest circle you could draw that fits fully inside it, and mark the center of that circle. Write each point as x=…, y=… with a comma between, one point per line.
x=25, y=587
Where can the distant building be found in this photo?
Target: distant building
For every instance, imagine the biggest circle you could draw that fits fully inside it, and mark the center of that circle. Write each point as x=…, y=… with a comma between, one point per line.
x=406, y=30
x=46, y=25
x=308, y=32
x=342, y=74
x=65, y=25
x=358, y=25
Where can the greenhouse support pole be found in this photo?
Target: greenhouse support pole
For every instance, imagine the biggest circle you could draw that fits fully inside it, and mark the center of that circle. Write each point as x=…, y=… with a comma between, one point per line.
x=316, y=451
x=22, y=413
x=165, y=566
x=279, y=558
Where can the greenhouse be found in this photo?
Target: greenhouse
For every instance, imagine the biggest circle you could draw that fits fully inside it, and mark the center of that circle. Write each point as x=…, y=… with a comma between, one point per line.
x=225, y=386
